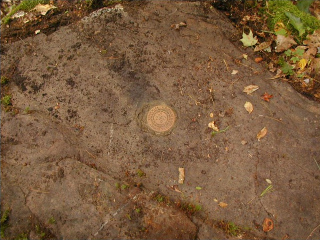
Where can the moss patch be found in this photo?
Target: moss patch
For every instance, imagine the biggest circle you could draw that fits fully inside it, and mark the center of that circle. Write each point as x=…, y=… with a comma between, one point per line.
x=277, y=10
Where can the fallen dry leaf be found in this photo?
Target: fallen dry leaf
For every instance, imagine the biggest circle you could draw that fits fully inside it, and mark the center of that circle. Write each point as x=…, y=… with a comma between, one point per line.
x=248, y=39
x=213, y=126
x=175, y=188
x=310, y=53
x=267, y=225
x=262, y=46
x=44, y=9
x=249, y=107
x=250, y=89
x=266, y=97
x=234, y=72
x=177, y=26
x=262, y=133
x=258, y=59
x=181, y=175
x=222, y=204
x=313, y=40
x=284, y=43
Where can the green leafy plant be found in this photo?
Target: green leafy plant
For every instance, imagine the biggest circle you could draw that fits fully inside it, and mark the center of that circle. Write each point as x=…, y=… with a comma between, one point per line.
x=287, y=69
x=293, y=56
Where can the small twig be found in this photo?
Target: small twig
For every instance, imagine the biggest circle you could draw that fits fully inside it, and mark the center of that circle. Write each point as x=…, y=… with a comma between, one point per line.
x=196, y=102
x=312, y=232
x=39, y=191
x=226, y=65
x=91, y=154
x=276, y=119
x=316, y=163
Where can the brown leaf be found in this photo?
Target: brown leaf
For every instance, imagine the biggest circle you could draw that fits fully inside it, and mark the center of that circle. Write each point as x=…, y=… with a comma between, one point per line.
x=249, y=107
x=262, y=133
x=267, y=225
x=262, y=46
x=174, y=188
x=177, y=26
x=266, y=96
x=313, y=40
x=222, y=204
x=284, y=43
x=250, y=89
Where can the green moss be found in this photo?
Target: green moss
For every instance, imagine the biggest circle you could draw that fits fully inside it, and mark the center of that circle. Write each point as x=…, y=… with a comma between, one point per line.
x=277, y=13
x=4, y=80
x=25, y=5
x=22, y=236
x=6, y=100
x=52, y=220
x=4, y=222
x=140, y=173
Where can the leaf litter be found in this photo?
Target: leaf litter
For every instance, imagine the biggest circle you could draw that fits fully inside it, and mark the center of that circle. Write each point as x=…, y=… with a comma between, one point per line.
x=262, y=133
x=249, y=107
x=250, y=89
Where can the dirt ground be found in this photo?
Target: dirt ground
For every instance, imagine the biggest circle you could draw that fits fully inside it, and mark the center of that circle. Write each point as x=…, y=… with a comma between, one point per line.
x=77, y=163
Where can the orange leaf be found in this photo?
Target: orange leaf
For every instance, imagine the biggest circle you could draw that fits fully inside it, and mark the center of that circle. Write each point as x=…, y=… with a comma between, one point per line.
x=222, y=204
x=266, y=97
x=258, y=59
x=267, y=225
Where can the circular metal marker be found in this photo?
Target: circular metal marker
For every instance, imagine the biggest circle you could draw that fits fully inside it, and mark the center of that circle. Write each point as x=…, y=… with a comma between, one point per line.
x=161, y=118
x=157, y=117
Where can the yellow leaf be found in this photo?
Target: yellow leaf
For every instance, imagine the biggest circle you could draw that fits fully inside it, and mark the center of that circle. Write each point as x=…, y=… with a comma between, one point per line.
x=262, y=133
x=249, y=107
x=302, y=63
x=250, y=89
x=223, y=205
